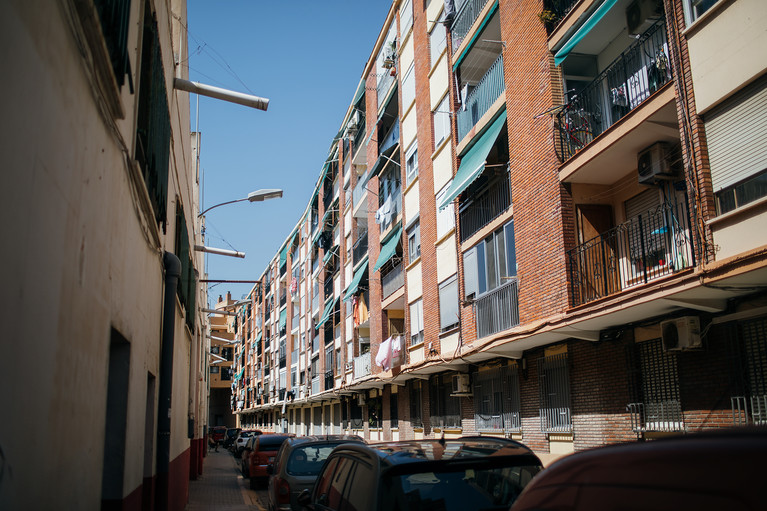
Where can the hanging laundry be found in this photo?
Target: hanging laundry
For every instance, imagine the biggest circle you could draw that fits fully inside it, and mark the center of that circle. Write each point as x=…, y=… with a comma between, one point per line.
x=618, y=96
x=383, y=358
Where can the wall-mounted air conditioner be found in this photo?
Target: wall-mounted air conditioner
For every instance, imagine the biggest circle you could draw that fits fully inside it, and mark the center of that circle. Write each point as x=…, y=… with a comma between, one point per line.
x=657, y=162
x=641, y=14
x=680, y=334
x=461, y=384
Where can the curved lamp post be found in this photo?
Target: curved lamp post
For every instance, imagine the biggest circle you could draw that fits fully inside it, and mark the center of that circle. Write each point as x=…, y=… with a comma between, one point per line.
x=257, y=196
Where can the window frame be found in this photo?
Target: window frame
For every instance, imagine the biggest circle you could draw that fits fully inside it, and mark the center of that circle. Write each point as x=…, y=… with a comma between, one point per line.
x=441, y=45
x=408, y=87
x=411, y=163
x=414, y=238
x=444, y=287
x=416, y=339
x=441, y=117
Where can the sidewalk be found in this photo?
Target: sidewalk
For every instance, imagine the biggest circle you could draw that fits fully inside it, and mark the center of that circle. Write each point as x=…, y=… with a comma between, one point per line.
x=221, y=486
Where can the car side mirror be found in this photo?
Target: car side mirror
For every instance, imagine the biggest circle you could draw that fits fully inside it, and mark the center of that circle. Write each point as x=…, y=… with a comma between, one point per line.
x=270, y=469
x=305, y=499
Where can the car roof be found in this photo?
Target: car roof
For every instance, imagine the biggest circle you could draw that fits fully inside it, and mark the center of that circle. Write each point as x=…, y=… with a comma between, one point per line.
x=464, y=449
x=721, y=464
x=325, y=439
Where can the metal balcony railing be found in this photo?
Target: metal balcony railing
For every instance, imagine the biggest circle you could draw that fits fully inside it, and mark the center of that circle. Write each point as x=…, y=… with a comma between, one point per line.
x=643, y=248
x=393, y=280
x=554, y=11
x=385, y=82
x=489, y=88
x=625, y=84
x=661, y=416
x=481, y=209
x=362, y=365
x=295, y=321
x=329, y=380
x=464, y=19
x=360, y=249
x=328, y=286
x=359, y=189
x=315, y=302
x=498, y=310
x=360, y=135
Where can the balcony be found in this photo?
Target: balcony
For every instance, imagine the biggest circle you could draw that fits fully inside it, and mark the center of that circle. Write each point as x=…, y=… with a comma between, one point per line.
x=492, y=198
x=498, y=310
x=316, y=343
x=481, y=98
x=315, y=385
x=360, y=249
x=328, y=286
x=554, y=11
x=393, y=280
x=464, y=19
x=646, y=247
x=329, y=380
x=359, y=195
x=625, y=84
x=389, y=212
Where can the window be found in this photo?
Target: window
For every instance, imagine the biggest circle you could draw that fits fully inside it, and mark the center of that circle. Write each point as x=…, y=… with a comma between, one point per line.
x=416, y=323
x=694, y=9
x=448, y=304
x=215, y=350
x=408, y=87
x=446, y=215
x=213, y=369
x=411, y=163
x=406, y=17
x=445, y=410
x=654, y=383
x=496, y=399
x=554, y=386
x=414, y=241
x=437, y=42
x=441, y=117
x=415, y=404
x=491, y=263
x=747, y=345
x=394, y=410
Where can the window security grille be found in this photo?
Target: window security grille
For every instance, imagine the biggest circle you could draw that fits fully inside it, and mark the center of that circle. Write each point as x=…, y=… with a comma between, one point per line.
x=654, y=389
x=554, y=386
x=749, y=346
x=445, y=410
x=496, y=399
x=415, y=405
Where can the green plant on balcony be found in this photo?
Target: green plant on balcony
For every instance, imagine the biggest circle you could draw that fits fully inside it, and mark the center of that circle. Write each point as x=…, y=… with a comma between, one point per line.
x=547, y=17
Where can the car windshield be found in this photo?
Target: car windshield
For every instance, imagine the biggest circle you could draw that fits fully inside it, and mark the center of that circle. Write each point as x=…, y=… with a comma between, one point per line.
x=307, y=461
x=271, y=443
x=456, y=490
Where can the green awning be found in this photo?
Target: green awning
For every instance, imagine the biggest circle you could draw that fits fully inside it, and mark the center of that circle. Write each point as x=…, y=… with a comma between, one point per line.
x=383, y=159
x=319, y=182
x=239, y=375
x=358, y=275
x=360, y=91
x=258, y=337
x=473, y=162
x=584, y=29
x=283, y=255
x=318, y=234
x=389, y=248
x=327, y=313
x=283, y=318
x=329, y=254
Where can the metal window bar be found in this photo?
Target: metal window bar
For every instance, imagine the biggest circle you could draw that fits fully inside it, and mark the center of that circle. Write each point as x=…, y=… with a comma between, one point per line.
x=480, y=209
x=489, y=88
x=654, y=389
x=498, y=310
x=114, y=16
x=360, y=249
x=641, y=249
x=464, y=20
x=496, y=400
x=362, y=365
x=554, y=386
x=415, y=405
x=624, y=85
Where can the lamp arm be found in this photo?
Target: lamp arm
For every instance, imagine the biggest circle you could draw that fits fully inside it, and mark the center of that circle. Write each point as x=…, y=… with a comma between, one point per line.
x=222, y=204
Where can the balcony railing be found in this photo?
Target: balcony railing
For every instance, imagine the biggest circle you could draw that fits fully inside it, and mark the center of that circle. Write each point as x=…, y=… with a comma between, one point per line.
x=329, y=380
x=661, y=416
x=554, y=11
x=464, y=19
x=396, y=208
x=387, y=79
x=362, y=365
x=393, y=280
x=359, y=189
x=498, y=309
x=295, y=321
x=625, y=84
x=481, y=209
x=489, y=88
x=360, y=135
x=328, y=287
x=360, y=249
x=646, y=247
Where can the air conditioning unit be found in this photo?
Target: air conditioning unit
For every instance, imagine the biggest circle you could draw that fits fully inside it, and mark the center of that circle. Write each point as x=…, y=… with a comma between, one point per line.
x=657, y=162
x=640, y=14
x=681, y=333
x=461, y=384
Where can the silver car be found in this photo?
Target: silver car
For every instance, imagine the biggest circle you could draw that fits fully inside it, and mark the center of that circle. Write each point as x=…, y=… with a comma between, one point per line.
x=297, y=465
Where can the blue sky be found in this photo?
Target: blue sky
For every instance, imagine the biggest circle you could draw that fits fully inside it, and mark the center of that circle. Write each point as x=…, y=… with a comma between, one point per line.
x=305, y=56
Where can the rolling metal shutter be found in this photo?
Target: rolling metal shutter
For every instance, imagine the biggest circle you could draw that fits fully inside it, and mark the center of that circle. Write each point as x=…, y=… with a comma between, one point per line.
x=737, y=136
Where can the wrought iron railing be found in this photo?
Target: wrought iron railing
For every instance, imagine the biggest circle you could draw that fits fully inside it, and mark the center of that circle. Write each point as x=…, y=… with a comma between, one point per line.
x=554, y=11
x=498, y=310
x=393, y=280
x=481, y=209
x=362, y=365
x=464, y=20
x=626, y=83
x=479, y=100
x=660, y=416
x=646, y=247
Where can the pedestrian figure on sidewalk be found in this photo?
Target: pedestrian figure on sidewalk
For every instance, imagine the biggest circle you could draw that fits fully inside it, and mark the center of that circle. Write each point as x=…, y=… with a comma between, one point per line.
x=212, y=444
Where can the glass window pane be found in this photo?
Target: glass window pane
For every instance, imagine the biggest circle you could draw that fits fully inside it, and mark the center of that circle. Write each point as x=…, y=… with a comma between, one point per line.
x=448, y=304
x=511, y=252
x=501, y=252
x=481, y=272
x=491, y=264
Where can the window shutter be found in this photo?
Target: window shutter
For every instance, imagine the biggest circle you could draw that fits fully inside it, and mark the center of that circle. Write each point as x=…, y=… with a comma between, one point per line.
x=470, y=272
x=737, y=136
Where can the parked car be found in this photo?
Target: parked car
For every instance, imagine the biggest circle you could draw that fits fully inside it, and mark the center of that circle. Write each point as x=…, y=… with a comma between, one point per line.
x=245, y=455
x=449, y=475
x=242, y=438
x=296, y=466
x=263, y=451
x=701, y=471
x=231, y=436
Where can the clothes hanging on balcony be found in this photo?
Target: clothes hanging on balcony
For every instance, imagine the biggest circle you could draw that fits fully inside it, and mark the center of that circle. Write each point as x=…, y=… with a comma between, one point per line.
x=383, y=358
x=396, y=351
x=618, y=96
x=383, y=215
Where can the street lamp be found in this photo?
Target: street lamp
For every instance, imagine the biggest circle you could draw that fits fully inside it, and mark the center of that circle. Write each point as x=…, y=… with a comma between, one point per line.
x=257, y=196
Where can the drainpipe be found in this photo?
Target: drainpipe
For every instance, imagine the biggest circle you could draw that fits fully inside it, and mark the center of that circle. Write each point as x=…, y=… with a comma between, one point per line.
x=172, y=272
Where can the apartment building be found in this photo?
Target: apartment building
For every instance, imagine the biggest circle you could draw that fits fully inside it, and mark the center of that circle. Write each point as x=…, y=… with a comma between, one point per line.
x=221, y=363
x=99, y=199
x=538, y=220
